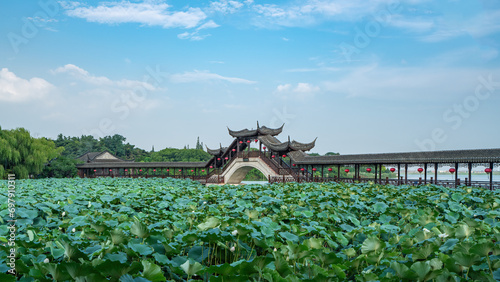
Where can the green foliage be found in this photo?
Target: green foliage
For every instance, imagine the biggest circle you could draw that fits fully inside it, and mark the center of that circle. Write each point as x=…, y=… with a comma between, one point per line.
x=61, y=167
x=112, y=229
x=255, y=175
x=177, y=155
x=77, y=146
x=24, y=155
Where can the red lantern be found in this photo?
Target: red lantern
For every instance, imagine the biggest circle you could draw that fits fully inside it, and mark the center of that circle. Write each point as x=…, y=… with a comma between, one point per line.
x=126, y=170
x=256, y=140
x=368, y=170
x=110, y=170
x=202, y=170
x=420, y=169
x=95, y=170
x=180, y=170
x=248, y=141
x=211, y=166
x=154, y=170
x=226, y=158
x=140, y=169
x=302, y=169
x=346, y=170
x=314, y=169
x=284, y=156
x=487, y=170
x=452, y=170
x=241, y=142
x=168, y=170
x=392, y=169
x=218, y=159
x=264, y=147
x=294, y=165
x=272, y=156
x=192, y=170
x=330, y=169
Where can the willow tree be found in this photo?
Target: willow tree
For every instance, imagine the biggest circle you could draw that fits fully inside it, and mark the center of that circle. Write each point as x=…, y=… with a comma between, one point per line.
x=24, y=155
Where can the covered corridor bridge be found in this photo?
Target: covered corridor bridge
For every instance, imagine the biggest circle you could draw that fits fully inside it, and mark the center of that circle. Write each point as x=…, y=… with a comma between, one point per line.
x=288, y=161
x=427, y=163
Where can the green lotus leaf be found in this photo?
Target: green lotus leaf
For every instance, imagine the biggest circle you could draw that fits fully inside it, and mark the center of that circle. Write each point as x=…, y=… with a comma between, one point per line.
x=139, y=229
x=371, y=244
x=191, y=268
x=121, y=257
x=448, y=245
x=466, y=260
x=152, y=272
x=289, y=237
x=142, y=250
x=482, y=249
x=421, y=269
x=210, y=223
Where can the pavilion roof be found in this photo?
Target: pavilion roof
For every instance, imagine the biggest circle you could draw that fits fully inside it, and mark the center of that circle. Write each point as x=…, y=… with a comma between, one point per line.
x=261, y=130
x=275, y=145
x=104, y=156
x=216, y=152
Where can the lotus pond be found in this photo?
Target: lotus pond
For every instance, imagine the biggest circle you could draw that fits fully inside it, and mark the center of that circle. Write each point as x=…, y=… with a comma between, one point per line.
x=177, y=230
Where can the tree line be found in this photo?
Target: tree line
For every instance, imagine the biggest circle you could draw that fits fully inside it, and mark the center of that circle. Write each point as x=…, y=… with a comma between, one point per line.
x=30, y=157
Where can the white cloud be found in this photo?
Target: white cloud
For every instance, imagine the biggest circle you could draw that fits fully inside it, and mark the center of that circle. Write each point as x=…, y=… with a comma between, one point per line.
x=85, y=76
x=225, y=6
x=306, y=88
x=283, y=87
x=408, y=83
x=154, y=13
x=313, y=11
x=195, y=35
x=319, y=69
x=411, y=24
x=301, y=91
x=201, y=76
x=16, y=89
x=483, y=24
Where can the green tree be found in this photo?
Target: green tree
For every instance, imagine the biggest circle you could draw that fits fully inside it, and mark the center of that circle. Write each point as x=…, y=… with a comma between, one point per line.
x=61, y=167
x=24, y=155
x=114, y=144
x=176, y=155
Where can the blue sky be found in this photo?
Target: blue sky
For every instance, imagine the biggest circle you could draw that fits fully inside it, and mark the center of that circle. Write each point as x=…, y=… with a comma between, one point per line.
x=362, y=76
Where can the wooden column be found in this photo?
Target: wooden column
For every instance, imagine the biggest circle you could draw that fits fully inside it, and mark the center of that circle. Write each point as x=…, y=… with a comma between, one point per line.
x=406, y=173
x=491, y=176
x=425, y=173
x=435, y=173
x=380, y=172
x=399, y=172
x=469, y=167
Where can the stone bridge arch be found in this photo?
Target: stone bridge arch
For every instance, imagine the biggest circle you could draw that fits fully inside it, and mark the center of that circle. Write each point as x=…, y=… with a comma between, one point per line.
x=240, y=167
